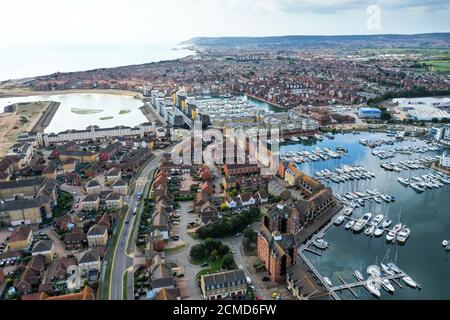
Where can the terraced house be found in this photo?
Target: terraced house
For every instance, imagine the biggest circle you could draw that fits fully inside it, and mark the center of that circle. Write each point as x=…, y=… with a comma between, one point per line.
x=27, y=201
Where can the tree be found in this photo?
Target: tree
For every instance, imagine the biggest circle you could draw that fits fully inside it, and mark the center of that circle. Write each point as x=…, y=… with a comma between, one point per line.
x=228, y=262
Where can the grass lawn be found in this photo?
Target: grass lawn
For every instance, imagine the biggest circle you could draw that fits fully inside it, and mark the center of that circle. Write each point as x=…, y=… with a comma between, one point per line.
x=438, y=65
x=124, y=286
x=176, y=249
x=111, y=250
x=213, y=267
x=65, y=202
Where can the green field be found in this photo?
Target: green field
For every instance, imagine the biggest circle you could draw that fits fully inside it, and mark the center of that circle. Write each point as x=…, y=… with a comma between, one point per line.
x=438, y=65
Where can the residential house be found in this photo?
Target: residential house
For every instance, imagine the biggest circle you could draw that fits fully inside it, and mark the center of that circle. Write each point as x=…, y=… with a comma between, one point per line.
x=240, y=169
x=74, y=240
x=97, y=236
x=120, y=186
x=113, y=175
x=91, y=202
x=114, y=200
x=90, y=265
x=20, y=239
x=221, y=285
x=69, y=165
x=93, y=187
x=278, y=190
x=304, y=285
x=45, y=248
x=246, y=199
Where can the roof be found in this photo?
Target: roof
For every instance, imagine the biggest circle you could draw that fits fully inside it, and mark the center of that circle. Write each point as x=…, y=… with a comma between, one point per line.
x=93, y=184
x=89, y=256
x=86, y=294
x=43, y=246
x=22, y=183
x=119, y=183
x=168, y=294
x=223, y=279
x=97, y=230
x=114, y=196
x=20, y=234
x=91, y=197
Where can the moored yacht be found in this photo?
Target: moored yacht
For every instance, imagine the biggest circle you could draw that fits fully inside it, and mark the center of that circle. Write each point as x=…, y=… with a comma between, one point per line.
x=339, y=220
x=321, y=244
x=369, y=230
x=378, y=218
x=386, y=284
x=349, y=224
x=403, y=235
x=372, y=286
x=410, y=282
x=403, y=181
x=379, y=231
x=358, y=275
x=386, y=223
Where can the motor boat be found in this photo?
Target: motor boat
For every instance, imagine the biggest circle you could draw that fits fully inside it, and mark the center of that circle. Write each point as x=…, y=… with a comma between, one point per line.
x=327, y=281
x=403, y=235
x=359, y=225
x=369, y=230
x=349, y=224
x=372, y=286
x=397, y=227
x=321, y=244
x=387, y=269
x=358, y=275
x=403, y=181
x=444, y=243
x=348, y=211
x=379, y=231
x=386, y=197
x=391, y=235
x=377, y=199
x=378, y=218
x=339, y=220
x=366, y=217
x=386, y=223
x=386, y=284
x=410, y=282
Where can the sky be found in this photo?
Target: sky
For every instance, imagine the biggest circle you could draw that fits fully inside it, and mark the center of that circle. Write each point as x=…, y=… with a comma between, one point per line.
x=64, y=22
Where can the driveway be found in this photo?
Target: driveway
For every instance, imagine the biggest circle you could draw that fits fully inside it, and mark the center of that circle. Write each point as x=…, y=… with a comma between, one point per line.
x=182, y=257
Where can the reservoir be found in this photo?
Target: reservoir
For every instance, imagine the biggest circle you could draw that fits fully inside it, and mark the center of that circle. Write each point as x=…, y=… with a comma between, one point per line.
x=80, y=110
x=427, y=214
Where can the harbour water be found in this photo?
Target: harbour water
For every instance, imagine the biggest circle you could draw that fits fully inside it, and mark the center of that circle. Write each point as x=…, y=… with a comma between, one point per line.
x=112, y=110
x=427, y=214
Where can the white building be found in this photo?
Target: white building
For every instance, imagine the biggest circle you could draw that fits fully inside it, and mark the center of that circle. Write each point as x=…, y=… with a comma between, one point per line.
x=94, y=133
x=445, y=161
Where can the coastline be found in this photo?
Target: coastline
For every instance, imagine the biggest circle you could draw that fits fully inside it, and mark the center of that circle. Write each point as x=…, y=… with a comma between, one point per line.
x=16, y=92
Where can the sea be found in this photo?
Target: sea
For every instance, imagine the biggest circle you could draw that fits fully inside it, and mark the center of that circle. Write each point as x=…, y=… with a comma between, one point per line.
x=24, y=61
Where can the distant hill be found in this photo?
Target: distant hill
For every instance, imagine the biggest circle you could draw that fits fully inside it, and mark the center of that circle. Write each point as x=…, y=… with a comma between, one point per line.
x=424, y=40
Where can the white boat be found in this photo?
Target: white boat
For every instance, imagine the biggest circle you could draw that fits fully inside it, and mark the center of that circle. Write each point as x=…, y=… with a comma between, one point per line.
x=377, y=199
x=387, y=269
x=403, y=235
x=410, y=282
x=372, y=286
x=358, y=275
x=397, y=227
x=349, y=224
x=386, y=223
x=444, y=243
x=369, y=230
x=378, y=218
x=386, y=284
x=374, y=271
x=359, y=225
x=339, y=220
x=386, y=197
x=391, y=235
x=403, y=181
x=379, y=231
x=394, y=267
x=321, y=244
x=348, y=211
x=327, y=281
x=366, y=217
x=295, y=139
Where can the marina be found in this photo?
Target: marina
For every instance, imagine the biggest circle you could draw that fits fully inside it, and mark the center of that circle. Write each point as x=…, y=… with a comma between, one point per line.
x=419, y=220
